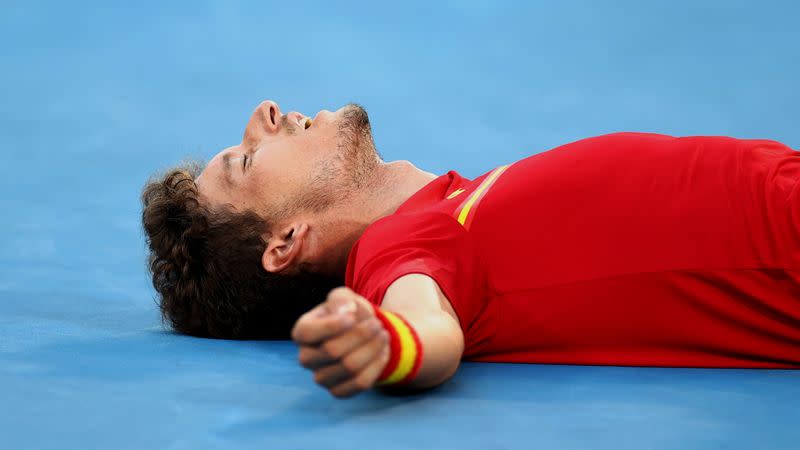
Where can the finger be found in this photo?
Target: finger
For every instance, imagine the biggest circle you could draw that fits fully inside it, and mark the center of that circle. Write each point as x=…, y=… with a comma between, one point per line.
x=341, y=299
x=323, y=309
x=320, y=310
x=353, y=338
x=331, y=375
x=327, y=308
x=312, y=330
x=353, y=363
x=314, y=357
x=365, y=379
x=344, y=297
x=357, y=360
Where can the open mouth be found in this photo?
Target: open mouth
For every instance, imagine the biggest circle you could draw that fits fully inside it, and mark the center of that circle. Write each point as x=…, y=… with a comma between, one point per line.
x=307, y=123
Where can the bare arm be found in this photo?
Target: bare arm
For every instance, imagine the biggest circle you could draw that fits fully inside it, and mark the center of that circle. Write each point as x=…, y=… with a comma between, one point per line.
x=419, y=300
x=346, y=347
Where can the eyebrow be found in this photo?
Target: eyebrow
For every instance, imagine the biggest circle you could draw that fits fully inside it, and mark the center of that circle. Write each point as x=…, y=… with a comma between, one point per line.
x=226, y=168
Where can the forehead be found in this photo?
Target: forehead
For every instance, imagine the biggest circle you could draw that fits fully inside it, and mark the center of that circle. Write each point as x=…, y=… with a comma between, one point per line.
x=214, y=181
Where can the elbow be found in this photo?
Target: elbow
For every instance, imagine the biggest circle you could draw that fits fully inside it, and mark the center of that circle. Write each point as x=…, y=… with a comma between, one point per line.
x=437, y=379
x=449, y=373
x=445, y=369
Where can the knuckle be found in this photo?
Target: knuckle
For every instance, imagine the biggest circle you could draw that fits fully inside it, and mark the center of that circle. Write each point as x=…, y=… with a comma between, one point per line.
x=299, y=334
x=330, y=348
x=342, y=391
x=381, y=340
x=319, y=377
x=366, y=331
x=363, y=382
x=341, y=289
x=350, y=365
x=304, y=357
x=333, y=327
x=338, y=291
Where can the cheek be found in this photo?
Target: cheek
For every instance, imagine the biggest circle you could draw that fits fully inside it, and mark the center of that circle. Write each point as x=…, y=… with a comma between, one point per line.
x=292, y=169
x=321, y=140
x=274, y=180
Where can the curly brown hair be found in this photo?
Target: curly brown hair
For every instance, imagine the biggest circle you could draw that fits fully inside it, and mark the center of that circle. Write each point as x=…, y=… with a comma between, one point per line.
x=206, y=266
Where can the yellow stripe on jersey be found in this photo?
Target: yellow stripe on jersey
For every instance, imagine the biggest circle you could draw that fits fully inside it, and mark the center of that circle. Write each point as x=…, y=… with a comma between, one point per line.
x=462, y=216
x=408, y=349
x=455, y=193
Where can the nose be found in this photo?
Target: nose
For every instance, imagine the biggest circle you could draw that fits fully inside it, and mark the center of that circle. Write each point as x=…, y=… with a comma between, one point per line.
x=263, y=122
x=271, y=113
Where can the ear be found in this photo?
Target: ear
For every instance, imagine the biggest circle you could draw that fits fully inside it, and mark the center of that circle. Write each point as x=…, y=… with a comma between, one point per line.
x=283, y=248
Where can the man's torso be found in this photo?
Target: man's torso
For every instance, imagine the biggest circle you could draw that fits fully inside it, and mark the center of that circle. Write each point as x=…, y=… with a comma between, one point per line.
x=630, y=249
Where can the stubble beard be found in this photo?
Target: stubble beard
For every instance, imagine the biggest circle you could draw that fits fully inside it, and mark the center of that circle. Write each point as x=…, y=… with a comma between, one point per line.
x=356, y=148
x=351, y=172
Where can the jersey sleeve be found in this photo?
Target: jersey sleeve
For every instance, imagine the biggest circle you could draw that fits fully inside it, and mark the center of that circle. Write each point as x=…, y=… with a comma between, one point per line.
x=429, y=243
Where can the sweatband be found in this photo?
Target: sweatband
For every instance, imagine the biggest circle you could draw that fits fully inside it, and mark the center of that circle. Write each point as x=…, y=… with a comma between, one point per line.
x=405, y=349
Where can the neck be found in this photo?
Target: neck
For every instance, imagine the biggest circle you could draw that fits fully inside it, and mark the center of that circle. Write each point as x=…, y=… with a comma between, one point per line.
x=399, y=182
x=395, y=182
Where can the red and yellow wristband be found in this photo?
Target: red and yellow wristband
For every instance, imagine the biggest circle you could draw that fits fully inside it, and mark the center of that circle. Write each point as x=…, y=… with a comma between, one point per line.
x=405, y=349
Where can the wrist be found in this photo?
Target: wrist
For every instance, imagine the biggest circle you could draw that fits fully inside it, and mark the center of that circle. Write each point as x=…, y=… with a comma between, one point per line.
x=405, y=349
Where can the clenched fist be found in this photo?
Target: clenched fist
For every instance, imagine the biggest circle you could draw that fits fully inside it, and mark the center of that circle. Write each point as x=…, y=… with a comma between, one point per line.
x=343, y=343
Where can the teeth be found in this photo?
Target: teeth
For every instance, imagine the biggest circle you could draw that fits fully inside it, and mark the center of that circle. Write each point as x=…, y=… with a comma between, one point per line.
x=307, y=124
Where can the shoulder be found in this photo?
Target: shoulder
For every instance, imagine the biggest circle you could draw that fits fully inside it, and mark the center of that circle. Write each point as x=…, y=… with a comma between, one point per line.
x=433, y=231
x=432, y=244
x=412, y=223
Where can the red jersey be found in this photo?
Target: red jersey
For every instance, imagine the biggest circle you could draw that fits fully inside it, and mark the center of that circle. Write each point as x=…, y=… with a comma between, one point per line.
x=624, y=249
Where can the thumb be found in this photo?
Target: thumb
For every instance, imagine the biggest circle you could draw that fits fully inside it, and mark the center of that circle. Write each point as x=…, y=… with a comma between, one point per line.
x=344, y=300
x=340, y=301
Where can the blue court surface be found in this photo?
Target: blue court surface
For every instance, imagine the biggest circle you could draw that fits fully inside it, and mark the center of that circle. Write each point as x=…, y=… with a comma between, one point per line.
x=96, y=96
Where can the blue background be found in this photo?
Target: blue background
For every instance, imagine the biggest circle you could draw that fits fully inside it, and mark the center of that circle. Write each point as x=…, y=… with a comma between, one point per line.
x=96, y=96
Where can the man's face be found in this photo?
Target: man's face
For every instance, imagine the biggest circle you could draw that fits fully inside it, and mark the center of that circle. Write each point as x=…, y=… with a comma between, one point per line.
x=288, y=162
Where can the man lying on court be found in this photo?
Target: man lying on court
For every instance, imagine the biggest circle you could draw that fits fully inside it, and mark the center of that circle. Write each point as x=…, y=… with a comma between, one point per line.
x=624, y=249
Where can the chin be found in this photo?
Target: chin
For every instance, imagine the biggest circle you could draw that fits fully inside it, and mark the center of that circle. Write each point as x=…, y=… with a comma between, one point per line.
x=355, y=139
x=355, y=118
